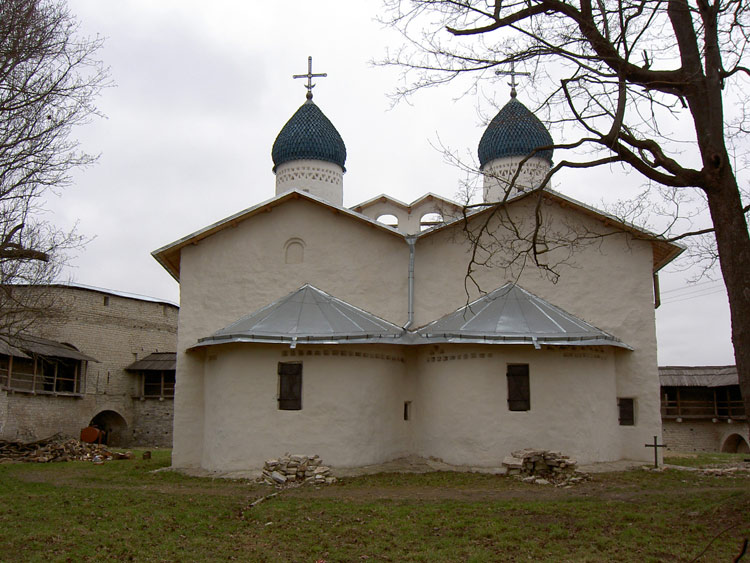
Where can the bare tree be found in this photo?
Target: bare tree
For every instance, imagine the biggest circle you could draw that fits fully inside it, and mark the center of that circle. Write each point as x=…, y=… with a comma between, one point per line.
x=622, y=73
x=49, y=77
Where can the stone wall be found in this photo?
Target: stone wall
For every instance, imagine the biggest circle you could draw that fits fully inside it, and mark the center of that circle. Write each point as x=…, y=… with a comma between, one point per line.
x=152, y=422
x=700, y=435
x=116, y=329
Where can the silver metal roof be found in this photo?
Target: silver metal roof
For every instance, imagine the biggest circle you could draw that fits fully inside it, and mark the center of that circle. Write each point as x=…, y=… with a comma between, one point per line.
x=307, y=315
x=512, y=315
x=698, y=376
x=508, y=315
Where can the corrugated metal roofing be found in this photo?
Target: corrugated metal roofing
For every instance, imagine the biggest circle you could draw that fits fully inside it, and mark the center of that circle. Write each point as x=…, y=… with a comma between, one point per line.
x=512, y=315
x=698, y=376
x=307, y=315
x=158, y=361
x=41, y=346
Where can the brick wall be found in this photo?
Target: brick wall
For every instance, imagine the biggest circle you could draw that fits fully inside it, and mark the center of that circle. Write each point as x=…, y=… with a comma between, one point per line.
x=700, y=435
x=153, y=422
x=116, y=330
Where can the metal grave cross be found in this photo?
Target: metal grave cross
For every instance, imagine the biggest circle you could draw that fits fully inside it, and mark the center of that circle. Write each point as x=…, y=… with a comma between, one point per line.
x=512, y=73
x=656, y=445
x=309, y=77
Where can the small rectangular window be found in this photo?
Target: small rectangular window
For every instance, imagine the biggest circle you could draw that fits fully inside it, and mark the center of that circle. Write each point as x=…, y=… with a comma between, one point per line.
x=407, y=410
x=290, y=386
x=627, y=411
x=519, y=397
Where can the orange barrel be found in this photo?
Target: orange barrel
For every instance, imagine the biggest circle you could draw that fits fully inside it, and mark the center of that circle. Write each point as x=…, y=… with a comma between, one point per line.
x=90, y=434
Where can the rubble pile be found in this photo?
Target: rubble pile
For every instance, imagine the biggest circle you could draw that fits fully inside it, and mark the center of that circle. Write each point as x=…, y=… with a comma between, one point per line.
x=732, y=471
x=56, y=448
x=296, y=468
x=543, y=467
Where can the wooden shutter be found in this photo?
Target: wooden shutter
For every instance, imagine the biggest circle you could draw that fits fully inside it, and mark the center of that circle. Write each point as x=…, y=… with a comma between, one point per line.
x=519, y=396
x=627, y=412
x=290, y=386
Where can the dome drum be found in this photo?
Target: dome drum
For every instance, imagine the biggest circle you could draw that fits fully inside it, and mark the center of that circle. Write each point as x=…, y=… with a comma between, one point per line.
x=320, y=178
x=500, y=176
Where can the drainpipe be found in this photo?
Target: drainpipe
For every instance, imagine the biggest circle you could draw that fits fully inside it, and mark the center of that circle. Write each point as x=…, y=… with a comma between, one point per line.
x=411, y=240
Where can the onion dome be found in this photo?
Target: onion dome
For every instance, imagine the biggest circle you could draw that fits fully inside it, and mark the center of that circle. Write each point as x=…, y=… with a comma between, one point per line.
x=514, y=131
x=308, y=135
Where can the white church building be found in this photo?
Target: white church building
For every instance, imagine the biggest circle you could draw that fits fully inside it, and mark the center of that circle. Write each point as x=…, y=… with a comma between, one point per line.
x=308, y=327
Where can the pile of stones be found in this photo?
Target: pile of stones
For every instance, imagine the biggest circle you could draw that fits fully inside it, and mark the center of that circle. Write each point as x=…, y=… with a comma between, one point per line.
x=732, y=471
x=543, y=467
x=290, y=469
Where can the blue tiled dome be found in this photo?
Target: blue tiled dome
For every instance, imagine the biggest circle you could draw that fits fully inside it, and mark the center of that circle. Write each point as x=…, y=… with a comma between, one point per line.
x=514, y=131
x=308, y=135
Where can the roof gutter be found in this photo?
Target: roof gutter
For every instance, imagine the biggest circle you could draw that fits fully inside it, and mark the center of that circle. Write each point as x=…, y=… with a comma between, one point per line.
x=411, y=240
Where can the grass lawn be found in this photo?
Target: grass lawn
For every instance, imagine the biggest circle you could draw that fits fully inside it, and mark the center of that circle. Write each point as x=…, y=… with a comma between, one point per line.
x=122, y=510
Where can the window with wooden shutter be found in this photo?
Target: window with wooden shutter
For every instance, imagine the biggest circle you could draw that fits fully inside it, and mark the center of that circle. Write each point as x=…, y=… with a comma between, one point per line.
x=290, y=386
x=519, y=397
x=627, y=411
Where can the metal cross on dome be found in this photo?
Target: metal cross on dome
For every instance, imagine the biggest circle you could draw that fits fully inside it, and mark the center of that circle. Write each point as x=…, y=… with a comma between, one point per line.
x=512, y=73
x=309, y=77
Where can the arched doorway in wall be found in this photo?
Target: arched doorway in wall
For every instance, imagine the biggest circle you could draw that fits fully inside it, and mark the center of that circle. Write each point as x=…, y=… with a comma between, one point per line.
x=114, y=426
x=735, y=444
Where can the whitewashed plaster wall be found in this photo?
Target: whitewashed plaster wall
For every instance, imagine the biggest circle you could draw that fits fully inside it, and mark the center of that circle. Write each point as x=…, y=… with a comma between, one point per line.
x=241, y=269
x=462, y=409
x=410, y=218
x=609, y=285
x=352, y=406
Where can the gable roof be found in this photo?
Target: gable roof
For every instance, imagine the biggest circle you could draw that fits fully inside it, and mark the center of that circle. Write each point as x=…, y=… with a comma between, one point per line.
x=169, y=256
x=408, y=207
x=698, y=376
x=307, y=315
x=663, y=251
x=512, y=315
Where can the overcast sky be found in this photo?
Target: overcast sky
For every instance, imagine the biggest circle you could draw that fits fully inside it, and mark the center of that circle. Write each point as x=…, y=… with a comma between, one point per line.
x=203, y=88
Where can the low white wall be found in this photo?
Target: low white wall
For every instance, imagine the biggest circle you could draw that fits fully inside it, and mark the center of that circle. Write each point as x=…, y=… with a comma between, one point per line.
x=352, y=406
x=462, y=411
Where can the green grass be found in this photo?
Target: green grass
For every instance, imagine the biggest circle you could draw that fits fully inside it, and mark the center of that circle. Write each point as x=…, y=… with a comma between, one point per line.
x=705, y=459
x=123, y=510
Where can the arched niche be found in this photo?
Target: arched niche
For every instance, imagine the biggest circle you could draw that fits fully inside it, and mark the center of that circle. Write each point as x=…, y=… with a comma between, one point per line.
x=294, y=251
